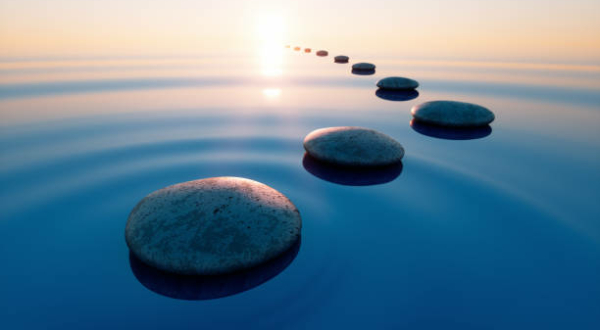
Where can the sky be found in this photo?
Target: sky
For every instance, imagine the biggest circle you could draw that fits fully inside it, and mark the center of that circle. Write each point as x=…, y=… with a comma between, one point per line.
x=526, y=30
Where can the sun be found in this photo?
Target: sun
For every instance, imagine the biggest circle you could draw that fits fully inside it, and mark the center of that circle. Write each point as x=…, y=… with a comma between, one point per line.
x=270, y=34
x=270, y=29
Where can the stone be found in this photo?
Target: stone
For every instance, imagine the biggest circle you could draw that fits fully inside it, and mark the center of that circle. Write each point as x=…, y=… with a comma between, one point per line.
x=341, y=59
x=351, y=175
x=287, y=46
x=212, y=226
x=297, y=48
x=322, y=53
x=451, y=133
x=397, y=83
x=200, y=287
x=353, y=146
x=401, y=95
x=307, y=50
x=363, y=66
x=452, y=114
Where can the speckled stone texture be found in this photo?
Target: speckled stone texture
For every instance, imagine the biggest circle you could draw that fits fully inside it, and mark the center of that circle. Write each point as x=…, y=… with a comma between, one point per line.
x=341, y=59
x=452, y=114
x=363, y=66
x=397, y=83
x=212, y=226
x=322, y=53
x=353, y=146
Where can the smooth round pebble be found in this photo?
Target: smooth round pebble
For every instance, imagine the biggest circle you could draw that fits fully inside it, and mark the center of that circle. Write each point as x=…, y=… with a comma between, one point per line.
x=322, y=53
x=397, y=83
x=297, y=48
x=307, y=50
x=341, y=59
x=212, y=226
x=353, y=146
x=452, y=114
x=363, y=66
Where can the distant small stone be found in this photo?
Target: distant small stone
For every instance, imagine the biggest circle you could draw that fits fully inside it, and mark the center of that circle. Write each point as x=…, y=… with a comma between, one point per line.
x=353, y=146
x=452, y=114
x=363, y=66
x=297, y=48
x=212, y=226
x=341, y=59
x=451, y=133
x=400, y=95
x=322, y=53
x=287, y=46
x=307, y=50
x=397, y=83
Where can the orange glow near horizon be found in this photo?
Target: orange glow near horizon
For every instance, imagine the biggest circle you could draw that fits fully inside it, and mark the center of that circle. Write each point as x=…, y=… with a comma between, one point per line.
x=536, y=30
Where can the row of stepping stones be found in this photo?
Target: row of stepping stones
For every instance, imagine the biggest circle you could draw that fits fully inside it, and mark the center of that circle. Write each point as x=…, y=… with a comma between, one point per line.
x=225, y=225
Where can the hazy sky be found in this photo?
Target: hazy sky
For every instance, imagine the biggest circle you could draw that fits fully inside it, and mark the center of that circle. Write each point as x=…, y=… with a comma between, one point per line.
x=549, y=30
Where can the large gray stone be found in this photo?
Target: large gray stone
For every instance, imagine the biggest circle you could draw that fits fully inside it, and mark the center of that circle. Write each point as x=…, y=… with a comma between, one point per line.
x=212, y=226
x=452, y=114
x=363, y=66
x=341, y=59
x=353, y=146
x=397, y=83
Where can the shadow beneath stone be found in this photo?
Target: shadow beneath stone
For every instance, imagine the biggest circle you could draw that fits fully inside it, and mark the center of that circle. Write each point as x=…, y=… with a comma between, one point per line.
x=189, y=287
x=397, y=95
x=363, y=72
x=450, y=133
x=351, y=176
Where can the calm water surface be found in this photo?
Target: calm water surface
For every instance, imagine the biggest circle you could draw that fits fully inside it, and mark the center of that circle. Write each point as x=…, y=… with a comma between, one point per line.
x=496, y=230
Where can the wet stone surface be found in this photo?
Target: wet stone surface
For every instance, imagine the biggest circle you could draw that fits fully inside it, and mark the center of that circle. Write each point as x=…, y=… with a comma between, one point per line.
x=452, y=114
x=353, y=146
x=363, y=66
x=212, y=226
x=397, y=83
x=341, y=59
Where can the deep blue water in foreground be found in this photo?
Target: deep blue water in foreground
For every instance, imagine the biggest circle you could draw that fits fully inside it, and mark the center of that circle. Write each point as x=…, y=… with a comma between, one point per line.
x=496, y=229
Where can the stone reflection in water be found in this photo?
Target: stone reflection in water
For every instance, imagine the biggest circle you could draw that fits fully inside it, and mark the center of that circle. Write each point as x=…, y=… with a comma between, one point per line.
x=188, y=287
x=397, y=95
x=351, y=175
x=450, y=133
x=363, y=72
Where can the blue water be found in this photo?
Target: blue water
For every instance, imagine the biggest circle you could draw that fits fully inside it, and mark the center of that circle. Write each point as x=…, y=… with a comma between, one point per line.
x=498, y=229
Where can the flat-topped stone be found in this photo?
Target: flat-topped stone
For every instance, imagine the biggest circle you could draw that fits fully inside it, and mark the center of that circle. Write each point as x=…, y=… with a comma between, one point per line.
x=397, y=83
x=322, y=53
x=353, y=146
x=341, y=59
x=212, y=226
x=363, y=66
x=452, y=114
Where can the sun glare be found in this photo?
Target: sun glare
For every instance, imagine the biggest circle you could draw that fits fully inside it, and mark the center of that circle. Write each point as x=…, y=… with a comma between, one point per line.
x=271, y=93
x=270, y=32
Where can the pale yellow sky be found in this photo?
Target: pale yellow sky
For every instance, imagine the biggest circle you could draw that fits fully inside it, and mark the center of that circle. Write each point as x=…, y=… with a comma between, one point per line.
x=554, y=31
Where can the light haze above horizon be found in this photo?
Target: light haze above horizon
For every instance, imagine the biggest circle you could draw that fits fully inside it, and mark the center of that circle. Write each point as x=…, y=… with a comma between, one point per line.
x=529, y=30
